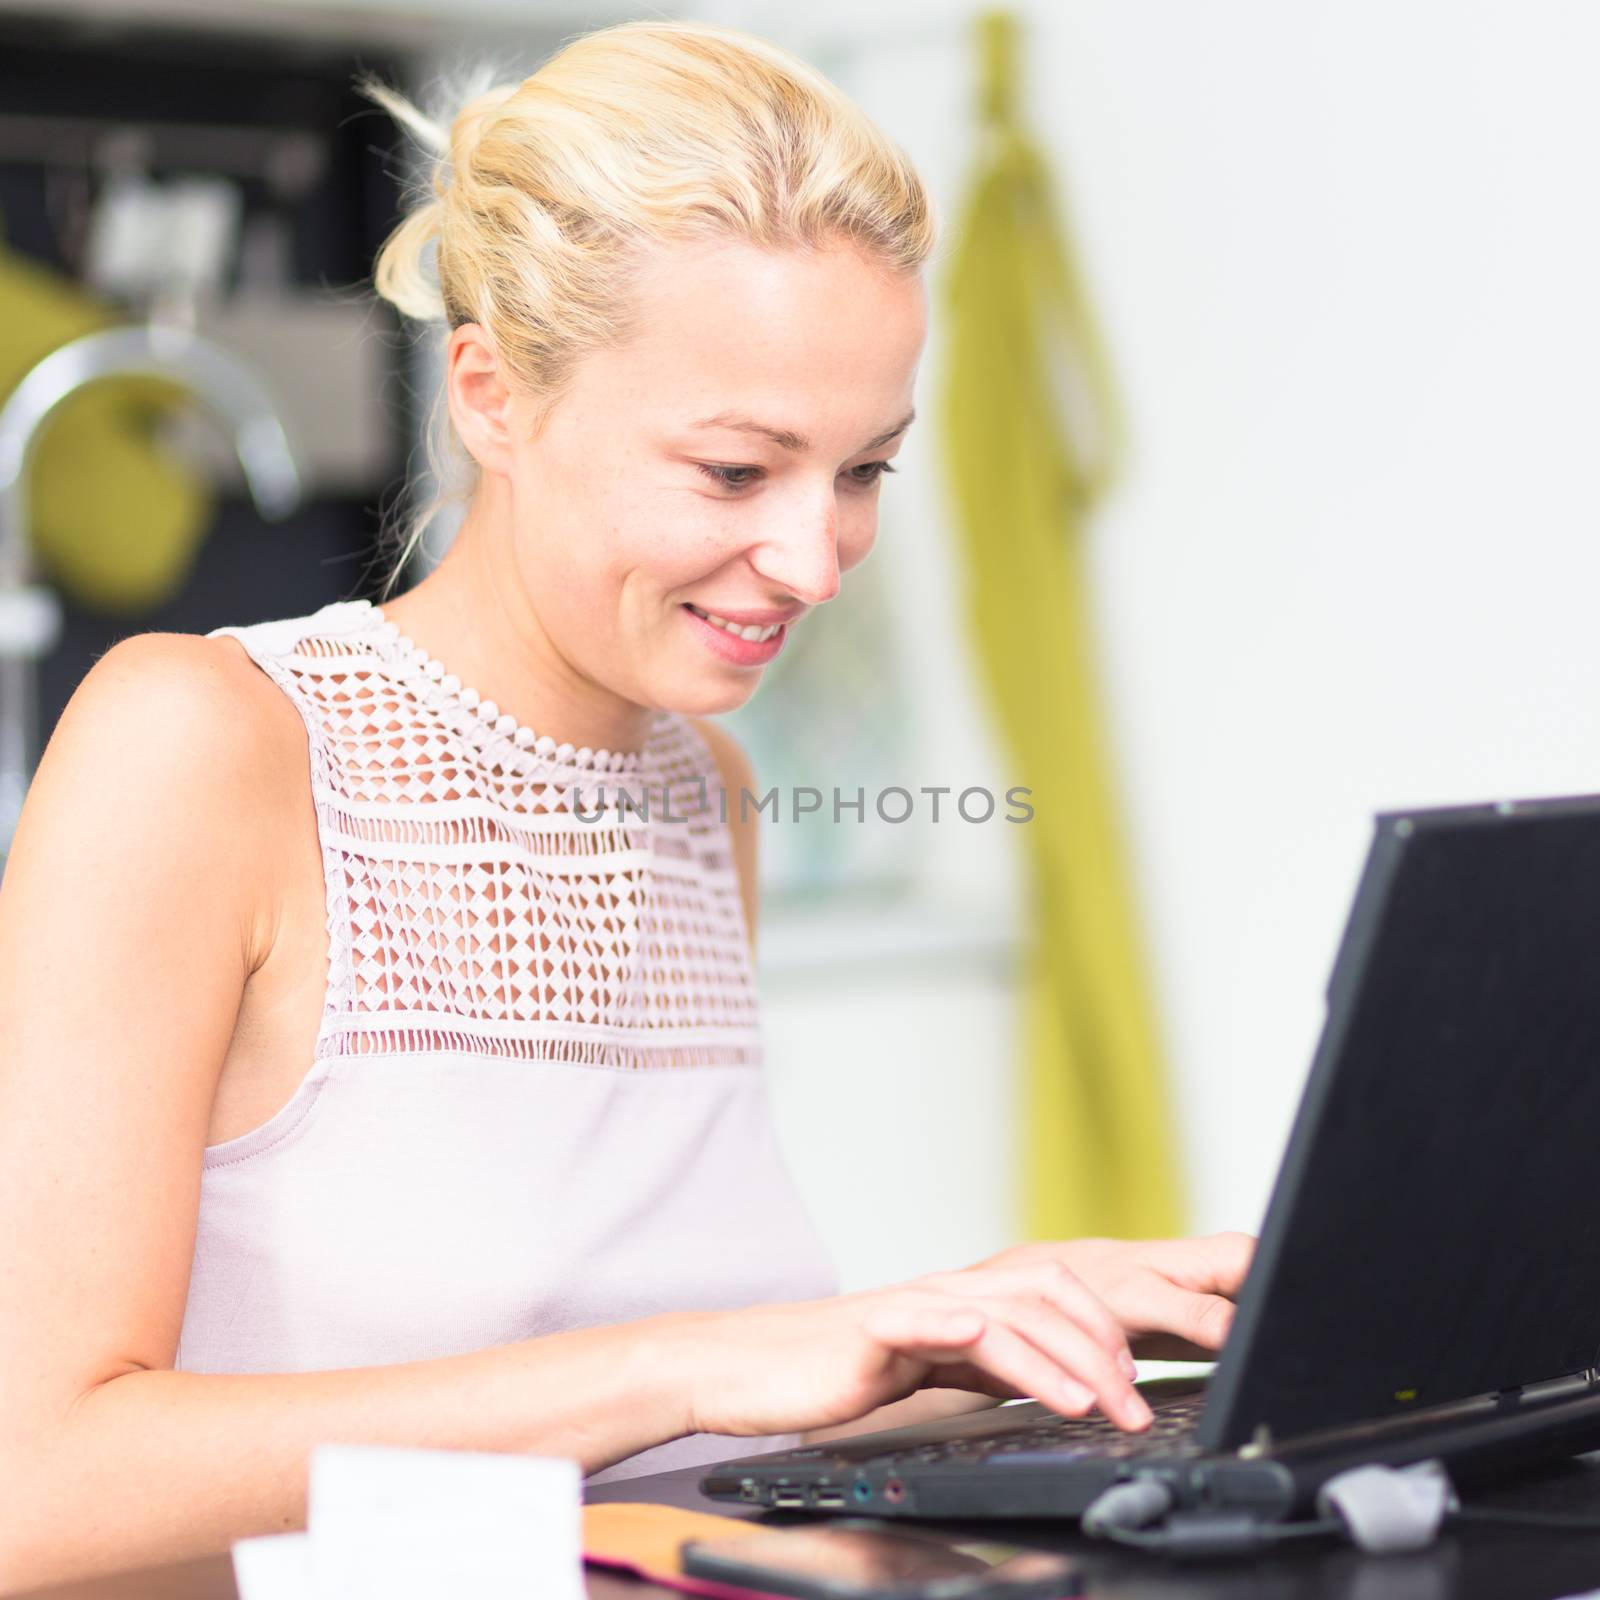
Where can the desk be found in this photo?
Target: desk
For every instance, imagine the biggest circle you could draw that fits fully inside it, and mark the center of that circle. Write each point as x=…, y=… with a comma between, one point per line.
x=1475, y=1564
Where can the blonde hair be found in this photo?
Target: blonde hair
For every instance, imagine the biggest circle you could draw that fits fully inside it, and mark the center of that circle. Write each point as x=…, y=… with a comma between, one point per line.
x=544, y=194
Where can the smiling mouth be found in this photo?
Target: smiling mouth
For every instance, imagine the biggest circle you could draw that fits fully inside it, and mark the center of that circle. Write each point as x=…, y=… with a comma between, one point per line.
x=751, y=631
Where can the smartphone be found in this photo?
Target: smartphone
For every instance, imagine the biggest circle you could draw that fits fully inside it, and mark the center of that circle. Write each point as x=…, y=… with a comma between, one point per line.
x=857, y=1559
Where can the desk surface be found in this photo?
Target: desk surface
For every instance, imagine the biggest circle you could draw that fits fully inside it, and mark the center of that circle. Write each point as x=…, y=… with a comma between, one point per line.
x=1475, y=1564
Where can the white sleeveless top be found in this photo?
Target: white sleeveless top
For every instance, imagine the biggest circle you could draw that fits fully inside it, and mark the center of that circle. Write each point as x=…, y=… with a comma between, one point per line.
x=536, y=1100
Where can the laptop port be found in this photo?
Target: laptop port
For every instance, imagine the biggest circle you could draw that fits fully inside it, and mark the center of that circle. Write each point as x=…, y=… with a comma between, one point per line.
x=788, y=1499
x=862, y=1490
x=748, y=1490
x=828, y=1497
x=894, y=1491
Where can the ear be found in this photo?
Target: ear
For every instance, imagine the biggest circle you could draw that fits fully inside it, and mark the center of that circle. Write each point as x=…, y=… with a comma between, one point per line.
x=480, y=401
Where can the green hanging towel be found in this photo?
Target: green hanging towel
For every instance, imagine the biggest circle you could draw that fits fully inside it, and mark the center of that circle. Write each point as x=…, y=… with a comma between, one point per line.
x=1031, y=432
x=113, y=519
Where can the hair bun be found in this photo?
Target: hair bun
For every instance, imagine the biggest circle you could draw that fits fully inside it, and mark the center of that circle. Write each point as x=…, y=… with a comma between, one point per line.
x=467, y=131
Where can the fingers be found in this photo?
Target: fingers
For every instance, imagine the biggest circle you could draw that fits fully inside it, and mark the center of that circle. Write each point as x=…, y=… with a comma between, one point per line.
x=1045, y=1332
x=1065, y=1289
x=968, y=1337
x=1022, y=1364
x=1156, y=1304
x=1180, y=1291
x=925, y=1332
x=1216, y=1263
x=1055, y=1282
x=1092, y=1368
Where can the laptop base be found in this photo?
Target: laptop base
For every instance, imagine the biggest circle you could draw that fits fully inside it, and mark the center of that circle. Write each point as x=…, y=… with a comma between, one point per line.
x=913, y=1473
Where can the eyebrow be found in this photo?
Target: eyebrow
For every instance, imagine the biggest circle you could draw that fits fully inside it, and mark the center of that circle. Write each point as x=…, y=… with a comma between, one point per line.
x=787, y=437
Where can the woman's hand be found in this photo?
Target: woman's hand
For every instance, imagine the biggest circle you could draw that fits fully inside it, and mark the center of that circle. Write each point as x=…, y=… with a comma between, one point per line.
x=1006, y=1328
x=1172, y=1297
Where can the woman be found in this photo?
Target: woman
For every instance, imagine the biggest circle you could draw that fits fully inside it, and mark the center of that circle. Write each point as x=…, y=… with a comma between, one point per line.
x=527, y=1196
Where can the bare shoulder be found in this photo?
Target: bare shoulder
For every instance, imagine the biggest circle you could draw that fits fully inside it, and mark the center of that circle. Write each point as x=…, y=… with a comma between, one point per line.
x=178, y=705
x=177, y=684
x=737, y=775
x=173, y=740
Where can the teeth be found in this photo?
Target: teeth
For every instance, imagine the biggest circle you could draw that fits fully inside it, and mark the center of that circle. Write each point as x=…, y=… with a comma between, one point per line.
x=752, y=632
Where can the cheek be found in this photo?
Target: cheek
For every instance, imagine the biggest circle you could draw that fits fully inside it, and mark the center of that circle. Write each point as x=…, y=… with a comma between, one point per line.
x=605, y=536
x=682, y=542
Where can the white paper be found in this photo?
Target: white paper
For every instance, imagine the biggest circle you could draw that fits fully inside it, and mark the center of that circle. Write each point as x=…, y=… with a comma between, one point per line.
x=391, y=1524
x=396, y=1524
x=277, y=1566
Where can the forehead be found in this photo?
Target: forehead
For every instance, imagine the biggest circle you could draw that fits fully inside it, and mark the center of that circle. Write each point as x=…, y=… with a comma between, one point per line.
x=727, y=325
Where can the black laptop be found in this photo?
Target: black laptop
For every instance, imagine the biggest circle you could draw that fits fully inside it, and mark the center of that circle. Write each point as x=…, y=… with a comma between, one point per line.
x=1427, y=1280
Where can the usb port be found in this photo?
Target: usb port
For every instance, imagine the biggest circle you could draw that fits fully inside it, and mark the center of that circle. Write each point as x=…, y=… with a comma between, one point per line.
x=788, y=1499
x=828, y=1497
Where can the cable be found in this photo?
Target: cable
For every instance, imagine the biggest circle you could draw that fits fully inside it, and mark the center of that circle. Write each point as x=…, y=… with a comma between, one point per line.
x=1204, y=1533
x=1381, y=1509
x=1133, y=1503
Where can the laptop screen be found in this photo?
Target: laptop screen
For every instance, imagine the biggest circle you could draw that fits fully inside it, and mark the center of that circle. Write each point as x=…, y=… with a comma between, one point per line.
x=1434, y=1233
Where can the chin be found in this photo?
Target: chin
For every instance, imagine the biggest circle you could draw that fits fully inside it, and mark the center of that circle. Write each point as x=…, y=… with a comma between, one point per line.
x=707, y=697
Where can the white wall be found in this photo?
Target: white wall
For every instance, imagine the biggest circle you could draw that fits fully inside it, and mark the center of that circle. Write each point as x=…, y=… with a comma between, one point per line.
x=1348, y=262
x=1349, y=268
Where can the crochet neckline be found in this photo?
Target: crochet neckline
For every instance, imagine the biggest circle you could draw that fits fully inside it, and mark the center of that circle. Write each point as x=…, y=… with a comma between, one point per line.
x=444, y=688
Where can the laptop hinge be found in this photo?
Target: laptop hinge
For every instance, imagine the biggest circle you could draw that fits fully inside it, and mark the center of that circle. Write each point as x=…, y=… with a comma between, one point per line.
x=1584, y=1381
x=1547, y=1389
x=1260, y=1444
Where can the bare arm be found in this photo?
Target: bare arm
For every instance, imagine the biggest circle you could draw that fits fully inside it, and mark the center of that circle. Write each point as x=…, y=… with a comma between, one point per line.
x=154, y=1465
x=134, y=907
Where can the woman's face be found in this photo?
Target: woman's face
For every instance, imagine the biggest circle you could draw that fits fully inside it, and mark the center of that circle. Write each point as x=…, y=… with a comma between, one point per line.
x=723, y=463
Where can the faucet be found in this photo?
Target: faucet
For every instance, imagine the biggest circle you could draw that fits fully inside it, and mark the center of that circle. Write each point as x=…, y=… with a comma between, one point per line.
x=30, y=613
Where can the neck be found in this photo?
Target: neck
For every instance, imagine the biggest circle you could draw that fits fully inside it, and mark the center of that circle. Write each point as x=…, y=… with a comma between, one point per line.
x=473, y=613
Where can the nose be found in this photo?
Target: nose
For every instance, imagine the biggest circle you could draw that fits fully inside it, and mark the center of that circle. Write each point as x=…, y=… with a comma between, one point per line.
x=801, y=556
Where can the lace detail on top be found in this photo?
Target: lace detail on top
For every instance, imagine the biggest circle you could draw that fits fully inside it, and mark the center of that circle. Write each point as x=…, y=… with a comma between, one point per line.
x=490, y=891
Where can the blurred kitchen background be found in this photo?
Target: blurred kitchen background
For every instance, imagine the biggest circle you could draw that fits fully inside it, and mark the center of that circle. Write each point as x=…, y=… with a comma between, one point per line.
x=1342, y=263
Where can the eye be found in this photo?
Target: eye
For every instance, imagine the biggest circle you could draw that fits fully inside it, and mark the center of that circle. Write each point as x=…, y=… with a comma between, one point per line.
x=742, y=477
x=725, y=475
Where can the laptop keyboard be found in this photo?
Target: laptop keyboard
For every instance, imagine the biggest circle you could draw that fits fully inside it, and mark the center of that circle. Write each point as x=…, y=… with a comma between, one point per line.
x=1171, y=1433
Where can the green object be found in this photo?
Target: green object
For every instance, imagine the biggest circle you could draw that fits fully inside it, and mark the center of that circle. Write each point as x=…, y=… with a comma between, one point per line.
x=113, y=519
x=1032, y=433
